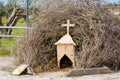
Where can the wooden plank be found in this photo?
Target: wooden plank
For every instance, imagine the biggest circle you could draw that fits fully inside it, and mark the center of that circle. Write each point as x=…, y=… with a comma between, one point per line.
x=10, y=27
x=90, y=71
x=11, y=36
x=22, y=68
x=30, y=71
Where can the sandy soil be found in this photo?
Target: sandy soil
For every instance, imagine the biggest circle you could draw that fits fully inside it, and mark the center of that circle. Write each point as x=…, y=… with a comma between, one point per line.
x=6, y=68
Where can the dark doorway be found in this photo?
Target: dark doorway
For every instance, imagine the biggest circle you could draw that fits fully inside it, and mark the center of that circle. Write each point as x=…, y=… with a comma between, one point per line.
x=65, y=62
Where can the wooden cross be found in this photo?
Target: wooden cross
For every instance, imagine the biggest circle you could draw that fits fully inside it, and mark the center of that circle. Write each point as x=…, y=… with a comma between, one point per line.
x=68, y=25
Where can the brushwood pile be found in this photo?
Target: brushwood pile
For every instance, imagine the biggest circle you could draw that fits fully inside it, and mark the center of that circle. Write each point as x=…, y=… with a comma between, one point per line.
x=96, y=35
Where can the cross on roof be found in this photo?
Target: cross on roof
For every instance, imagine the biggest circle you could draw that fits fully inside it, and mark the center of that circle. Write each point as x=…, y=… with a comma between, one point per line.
x=68, y=25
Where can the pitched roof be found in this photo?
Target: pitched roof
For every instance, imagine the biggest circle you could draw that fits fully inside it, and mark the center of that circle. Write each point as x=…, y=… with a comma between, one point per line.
x=66, y=39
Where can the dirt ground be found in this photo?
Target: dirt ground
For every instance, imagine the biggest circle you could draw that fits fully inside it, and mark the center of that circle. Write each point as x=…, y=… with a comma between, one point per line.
x=6, y=68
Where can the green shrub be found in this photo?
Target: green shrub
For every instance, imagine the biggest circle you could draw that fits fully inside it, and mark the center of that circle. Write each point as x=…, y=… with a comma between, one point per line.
x=4, y=20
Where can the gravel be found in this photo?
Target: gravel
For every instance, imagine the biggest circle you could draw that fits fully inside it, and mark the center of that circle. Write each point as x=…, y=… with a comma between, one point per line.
x=5, y=74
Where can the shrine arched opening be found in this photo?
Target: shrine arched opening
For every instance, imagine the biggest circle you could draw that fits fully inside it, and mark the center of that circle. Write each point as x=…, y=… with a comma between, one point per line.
x=65, y=62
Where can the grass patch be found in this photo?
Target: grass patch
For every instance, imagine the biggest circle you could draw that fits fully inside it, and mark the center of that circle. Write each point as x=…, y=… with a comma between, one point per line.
x=18, y=31
x=21, y=22
x=4, y=52
x=6, y=44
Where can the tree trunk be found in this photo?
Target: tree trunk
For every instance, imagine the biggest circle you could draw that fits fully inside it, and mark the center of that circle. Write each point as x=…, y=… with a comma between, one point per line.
x=3, y=31
x=12, y=21
x=14, y=17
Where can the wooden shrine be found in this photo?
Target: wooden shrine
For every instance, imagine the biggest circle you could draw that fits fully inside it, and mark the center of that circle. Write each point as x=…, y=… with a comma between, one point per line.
x=65, y=49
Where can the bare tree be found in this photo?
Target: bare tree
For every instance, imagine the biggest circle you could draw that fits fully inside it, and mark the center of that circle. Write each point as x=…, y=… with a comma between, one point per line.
x=14, y=17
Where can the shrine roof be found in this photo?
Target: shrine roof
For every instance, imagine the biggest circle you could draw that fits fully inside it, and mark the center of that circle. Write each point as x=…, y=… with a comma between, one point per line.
x=66, y=39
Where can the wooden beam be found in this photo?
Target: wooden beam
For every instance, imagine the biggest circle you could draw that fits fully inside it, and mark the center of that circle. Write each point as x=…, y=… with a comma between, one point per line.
x=10, y=27
x=11, y=36
x=90, y=71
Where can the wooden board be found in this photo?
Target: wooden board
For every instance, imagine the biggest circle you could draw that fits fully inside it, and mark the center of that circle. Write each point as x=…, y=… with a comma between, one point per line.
x=13, y=27
x=20, y=69
x=12, y=36
x=90, y=71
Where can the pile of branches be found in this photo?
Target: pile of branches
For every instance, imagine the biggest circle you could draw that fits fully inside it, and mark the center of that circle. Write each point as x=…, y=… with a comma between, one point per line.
x=96, y=34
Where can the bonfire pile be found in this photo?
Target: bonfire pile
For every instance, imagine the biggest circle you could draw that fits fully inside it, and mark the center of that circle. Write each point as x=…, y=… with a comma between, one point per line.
x=96, y=34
